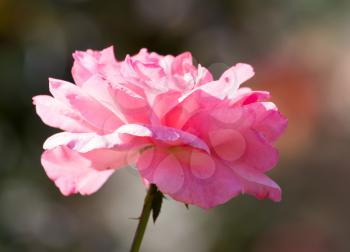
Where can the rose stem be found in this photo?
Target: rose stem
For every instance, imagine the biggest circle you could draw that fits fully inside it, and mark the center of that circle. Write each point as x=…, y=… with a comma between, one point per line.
x=143, y=220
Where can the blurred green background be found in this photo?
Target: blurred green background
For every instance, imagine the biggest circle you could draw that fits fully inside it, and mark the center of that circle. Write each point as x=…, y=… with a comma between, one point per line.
x=301, y=53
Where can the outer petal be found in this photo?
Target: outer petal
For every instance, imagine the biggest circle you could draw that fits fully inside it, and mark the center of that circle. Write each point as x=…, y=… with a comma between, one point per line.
x=257, y=184
x=189, y=176
x=104, y=151
x=165, y=135
x=85, y=142
x=56, y=114
x=235, y=76
x=71, y=172
x=230, y=134
x=90, y=109
x=259, y=154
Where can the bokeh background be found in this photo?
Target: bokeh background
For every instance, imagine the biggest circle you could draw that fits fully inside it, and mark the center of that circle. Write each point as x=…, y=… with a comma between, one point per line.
x=301, y=53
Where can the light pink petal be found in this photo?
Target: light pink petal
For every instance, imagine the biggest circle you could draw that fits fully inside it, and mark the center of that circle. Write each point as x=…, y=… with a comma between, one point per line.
x=209, y=95
x=148, y=71
x=90, y=109
x=237, y=74
x=227, y=85
x=105, y=159
x=137, y=76
x=166, y=63
x=165, y=135
x=257, y=184
x=99, y=89
x=189, y=176
x=203, y=76
x=56, y=114
x=126, y=101
x=127, y=69
x=104, y=151
x=134, y=108
x=91, y=62
x=71, y=172
x=182, y=64
x=147, y=57
x=85, y=142
x=164, y=102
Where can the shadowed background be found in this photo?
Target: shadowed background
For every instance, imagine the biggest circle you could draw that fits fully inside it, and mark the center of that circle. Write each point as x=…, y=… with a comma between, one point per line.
x=301, y=53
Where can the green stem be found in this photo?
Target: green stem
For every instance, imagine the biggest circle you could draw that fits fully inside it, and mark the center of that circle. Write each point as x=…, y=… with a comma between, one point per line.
x=143, y=220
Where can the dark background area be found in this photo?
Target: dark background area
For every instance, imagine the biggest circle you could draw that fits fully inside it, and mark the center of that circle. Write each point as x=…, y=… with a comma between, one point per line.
x=301, y=53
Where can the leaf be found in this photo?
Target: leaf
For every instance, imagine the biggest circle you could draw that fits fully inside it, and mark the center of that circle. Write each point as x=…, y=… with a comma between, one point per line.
x=156, y=204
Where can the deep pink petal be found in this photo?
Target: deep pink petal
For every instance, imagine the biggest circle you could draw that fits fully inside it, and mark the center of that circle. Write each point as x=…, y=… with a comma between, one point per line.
x=245, y=96
x=231, y=135
x=259, y=153
x=257, y=184
x=269, y=121
x=228, y=144
x=189, y=176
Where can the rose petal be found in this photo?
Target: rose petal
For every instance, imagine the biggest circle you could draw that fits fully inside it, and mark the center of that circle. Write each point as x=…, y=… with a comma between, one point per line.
x=211, y=184
x=56, y=114
x=257, y=184
x=163, y=134
x=71, y=172
x=91, y=62
x=259, y=153
x=90, y=109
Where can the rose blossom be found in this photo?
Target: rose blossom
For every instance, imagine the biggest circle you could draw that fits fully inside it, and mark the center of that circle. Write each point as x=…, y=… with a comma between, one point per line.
x=201, y=141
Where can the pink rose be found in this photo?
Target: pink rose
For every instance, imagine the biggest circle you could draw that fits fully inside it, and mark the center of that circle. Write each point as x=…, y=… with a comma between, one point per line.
x=201, y=141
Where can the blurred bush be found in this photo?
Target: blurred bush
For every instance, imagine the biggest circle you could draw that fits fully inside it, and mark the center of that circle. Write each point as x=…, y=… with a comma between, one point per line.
x=300, y=50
